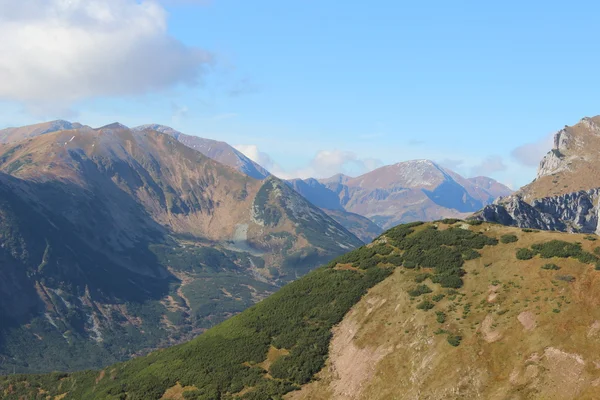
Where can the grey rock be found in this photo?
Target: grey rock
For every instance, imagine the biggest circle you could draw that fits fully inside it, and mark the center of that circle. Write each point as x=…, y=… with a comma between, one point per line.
x=572, y=212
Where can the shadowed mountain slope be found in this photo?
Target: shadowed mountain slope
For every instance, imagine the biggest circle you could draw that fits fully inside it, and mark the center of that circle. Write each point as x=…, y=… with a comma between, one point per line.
x=117, y=241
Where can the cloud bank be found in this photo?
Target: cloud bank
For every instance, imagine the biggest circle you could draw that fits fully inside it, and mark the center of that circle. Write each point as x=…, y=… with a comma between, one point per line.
x=324, y=164
x=59, y=52
x=530, y=154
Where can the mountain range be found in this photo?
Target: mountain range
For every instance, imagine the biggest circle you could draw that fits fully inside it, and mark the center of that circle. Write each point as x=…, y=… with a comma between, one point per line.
x=418, y=190
x=115, y=241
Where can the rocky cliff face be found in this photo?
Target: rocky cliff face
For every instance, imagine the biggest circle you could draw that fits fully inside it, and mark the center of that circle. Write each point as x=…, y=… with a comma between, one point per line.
x=564, y=196
x=572, y=212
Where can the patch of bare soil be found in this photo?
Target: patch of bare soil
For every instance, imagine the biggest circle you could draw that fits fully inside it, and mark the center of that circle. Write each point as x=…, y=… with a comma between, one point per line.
x=100, y=376
x=489, y=334
x=492, y=293
x=350, y=365
x=527, y=319
x=272, y=356
x=594, y=329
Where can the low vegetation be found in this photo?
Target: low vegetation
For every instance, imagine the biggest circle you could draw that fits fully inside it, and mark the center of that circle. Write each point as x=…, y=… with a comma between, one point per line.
x=558, y=249
x=508, y=238
x=225, y=360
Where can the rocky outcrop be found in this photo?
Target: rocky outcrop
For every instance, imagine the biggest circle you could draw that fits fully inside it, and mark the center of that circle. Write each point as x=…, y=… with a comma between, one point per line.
x=572, y=212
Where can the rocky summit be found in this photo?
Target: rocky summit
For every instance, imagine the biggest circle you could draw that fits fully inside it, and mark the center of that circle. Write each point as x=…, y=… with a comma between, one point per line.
x=564, y=195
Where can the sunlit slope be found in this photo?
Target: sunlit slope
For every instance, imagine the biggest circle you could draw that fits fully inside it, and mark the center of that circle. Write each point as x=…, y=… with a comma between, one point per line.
x=517, y=329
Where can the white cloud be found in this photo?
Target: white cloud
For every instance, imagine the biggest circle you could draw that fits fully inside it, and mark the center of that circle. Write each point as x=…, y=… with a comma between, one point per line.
x=530, y=154
x=325, y=163
x=55, y=52
x=488, y=166
x=252, y=152
x=451, y=164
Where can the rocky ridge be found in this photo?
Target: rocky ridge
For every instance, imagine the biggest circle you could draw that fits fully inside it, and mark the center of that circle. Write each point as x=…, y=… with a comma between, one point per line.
x=564, y=194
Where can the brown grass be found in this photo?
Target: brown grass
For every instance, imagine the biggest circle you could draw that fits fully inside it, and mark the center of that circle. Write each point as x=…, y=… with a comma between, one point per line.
x=176, y=392
x=514, y=345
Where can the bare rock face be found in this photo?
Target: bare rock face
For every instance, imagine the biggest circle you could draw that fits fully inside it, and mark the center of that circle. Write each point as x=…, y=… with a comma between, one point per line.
x=556, y=160
x=564, y=196
x=572, y=212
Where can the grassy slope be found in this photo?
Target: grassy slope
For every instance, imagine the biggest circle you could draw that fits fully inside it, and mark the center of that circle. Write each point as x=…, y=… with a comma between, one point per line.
x=526, y=334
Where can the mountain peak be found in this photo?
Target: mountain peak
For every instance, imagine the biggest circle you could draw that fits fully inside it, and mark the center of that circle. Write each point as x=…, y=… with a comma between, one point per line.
x=16, y=134
x=114, y=125
x=158, y=128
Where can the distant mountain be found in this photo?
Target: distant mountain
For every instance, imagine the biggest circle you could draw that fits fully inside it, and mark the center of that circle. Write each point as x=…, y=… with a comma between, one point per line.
x=566, y=192
x=443, y=310
x=116, y=241
x=403, y=192
x=27, y=132
x=222, y=152
x=326, y=199
x=219, y=151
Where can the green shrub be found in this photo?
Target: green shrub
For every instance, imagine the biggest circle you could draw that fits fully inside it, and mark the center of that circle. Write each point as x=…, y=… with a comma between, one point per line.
x=422, y=277
x=382, y=249
x=448, y=281
x=557, y=248
x=440, y=317
x=470, y=254
x=450, y=221
x=553, y=267
x=508, y=238
x=562, y=249
x=525, y=254
x=565, y=278
x=454, y=340
x=425, y=305
x=419, y=290
x=527, y=230
x=438, y=297
x=394, y=259
x=590, y=238
x=474, y=222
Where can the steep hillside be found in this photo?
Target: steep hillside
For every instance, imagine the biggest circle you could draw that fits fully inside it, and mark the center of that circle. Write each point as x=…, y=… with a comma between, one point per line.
x=219, y=151
x=222, y=152
x=403, y=192
x=115, y=242
x=427, y=311
x=564, y=195
x=328, y=201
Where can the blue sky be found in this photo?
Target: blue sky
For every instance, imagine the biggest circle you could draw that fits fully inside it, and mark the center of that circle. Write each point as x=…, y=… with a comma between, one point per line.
x=317, y=87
